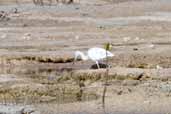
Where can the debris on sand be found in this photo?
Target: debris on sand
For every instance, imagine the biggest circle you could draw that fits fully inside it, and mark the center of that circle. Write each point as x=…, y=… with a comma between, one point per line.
x=3, y=36
x=137, y=38
x=27, y=36
x=43, y=2
x=4, y=16
x=14, y=109
x=15, y=10
x=151, y=46
x=159, y=67
x=126, y=39
x=77, y=37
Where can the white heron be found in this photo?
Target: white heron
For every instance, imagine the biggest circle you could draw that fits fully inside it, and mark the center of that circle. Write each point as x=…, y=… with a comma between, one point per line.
x=95, y=54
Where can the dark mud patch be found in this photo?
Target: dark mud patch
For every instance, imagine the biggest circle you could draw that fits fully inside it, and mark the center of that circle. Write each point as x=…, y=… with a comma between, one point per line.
x=41, y=59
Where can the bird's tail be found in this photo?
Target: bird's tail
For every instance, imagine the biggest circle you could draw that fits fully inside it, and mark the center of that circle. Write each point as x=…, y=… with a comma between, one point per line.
x=109, y=54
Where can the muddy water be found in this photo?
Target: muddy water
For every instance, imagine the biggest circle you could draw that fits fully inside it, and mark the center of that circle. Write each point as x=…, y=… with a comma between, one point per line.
x=26, y=85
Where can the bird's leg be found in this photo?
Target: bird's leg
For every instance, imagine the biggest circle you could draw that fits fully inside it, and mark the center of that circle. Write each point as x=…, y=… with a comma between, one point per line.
x=73, y=62
x=97, y=64
x=75, y=58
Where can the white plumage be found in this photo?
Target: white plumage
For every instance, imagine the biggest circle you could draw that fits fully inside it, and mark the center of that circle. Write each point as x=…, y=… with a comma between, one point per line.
x=95, y=54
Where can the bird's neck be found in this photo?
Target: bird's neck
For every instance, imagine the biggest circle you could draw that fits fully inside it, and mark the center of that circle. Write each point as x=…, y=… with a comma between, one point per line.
x=81, y=54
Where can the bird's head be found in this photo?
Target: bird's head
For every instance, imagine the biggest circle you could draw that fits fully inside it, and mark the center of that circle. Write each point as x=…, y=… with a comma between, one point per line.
x=80, y=55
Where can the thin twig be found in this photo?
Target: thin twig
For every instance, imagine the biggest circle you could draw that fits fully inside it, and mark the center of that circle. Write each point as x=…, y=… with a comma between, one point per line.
x=106, y=81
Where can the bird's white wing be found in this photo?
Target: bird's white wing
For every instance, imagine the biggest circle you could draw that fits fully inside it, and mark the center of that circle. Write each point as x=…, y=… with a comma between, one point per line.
x=98, y=53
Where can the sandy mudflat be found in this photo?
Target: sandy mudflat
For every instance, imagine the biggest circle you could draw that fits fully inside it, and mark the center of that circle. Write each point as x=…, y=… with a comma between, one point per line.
x=37, y=45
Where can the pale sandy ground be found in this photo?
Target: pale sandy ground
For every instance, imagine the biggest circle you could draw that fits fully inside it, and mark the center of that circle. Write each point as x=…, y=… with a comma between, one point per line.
x=139, y=31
